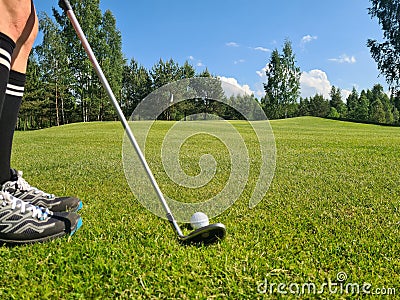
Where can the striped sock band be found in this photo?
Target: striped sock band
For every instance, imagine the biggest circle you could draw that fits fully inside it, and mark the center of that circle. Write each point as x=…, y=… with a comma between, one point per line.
x=16, y=85
x=5, y=59
x=7, y=46
x=15, y=90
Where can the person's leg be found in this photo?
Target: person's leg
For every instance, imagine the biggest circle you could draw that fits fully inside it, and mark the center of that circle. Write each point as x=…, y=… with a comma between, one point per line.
x=10, y=179
x=18, y=30
x=26, y=39
x=13, y=22
x=19, y=23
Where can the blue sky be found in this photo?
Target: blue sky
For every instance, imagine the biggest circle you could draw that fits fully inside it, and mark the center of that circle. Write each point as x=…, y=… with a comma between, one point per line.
x=234, y=39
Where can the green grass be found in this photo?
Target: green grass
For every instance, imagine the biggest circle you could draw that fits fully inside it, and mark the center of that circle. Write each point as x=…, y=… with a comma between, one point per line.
x=333, y=207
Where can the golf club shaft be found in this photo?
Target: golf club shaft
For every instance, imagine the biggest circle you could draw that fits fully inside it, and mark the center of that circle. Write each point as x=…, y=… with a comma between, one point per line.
x=66, y=6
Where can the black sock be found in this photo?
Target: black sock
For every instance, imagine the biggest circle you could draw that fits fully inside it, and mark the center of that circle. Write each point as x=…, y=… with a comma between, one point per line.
x=7, y=46
x=8, y=121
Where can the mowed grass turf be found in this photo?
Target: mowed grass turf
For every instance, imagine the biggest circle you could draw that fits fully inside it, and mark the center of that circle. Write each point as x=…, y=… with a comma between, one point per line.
x=333, y=206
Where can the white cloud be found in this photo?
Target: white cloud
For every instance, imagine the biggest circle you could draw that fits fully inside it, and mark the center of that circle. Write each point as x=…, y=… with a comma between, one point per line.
x=344, y=59
x=345, y=95
x=261, y=73
x=262, y=49
x=311, y=83
x=240, y=61
x=232, y=44
x=232, y=87
x=260, y=92
x=307, y=39
x=315, y=82
x=197, y=62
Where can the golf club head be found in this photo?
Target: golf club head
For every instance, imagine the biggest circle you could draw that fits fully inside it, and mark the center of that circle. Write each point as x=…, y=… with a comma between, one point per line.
x=205, y=235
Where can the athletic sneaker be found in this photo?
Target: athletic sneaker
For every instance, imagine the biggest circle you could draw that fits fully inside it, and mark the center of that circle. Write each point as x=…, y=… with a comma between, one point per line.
x=21, y=189
x=24, y=223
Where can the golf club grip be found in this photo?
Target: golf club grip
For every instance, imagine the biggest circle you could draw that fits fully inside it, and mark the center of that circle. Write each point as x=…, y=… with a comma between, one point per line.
x=65, y=5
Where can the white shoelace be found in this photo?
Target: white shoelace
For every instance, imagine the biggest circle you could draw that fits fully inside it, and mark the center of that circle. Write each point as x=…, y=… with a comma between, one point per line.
x=25, y=186
x=37, y=212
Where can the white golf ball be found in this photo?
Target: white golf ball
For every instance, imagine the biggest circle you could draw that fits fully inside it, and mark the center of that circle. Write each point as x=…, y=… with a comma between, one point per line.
x=199, y=220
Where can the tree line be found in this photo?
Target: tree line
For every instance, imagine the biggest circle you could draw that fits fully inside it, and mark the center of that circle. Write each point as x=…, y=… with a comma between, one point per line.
x=282, y=92
x=370, y=106
x=283, y=88
x=63, y=87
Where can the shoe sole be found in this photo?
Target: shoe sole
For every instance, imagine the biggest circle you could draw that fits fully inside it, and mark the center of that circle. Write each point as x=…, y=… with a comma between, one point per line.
x=79, y=206
x=45, y=239
x=78, y=225
x=74, y=210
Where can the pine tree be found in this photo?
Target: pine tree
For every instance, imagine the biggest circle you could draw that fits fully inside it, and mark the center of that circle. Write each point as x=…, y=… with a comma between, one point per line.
x=337, y=103
x=163, y=73
x=396, y=116
x=352, y=103
x=34, y=99
x=377, y=112
x=361, y=112
x=209, y=93
x=304, y=107
x=136, y=86
x=319, y=107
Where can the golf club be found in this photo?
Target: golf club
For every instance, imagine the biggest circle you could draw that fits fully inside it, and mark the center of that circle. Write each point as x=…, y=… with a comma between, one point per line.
x=205, y=235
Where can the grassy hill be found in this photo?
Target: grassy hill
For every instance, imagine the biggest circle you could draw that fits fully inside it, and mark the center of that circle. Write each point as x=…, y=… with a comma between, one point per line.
x=332, y=208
